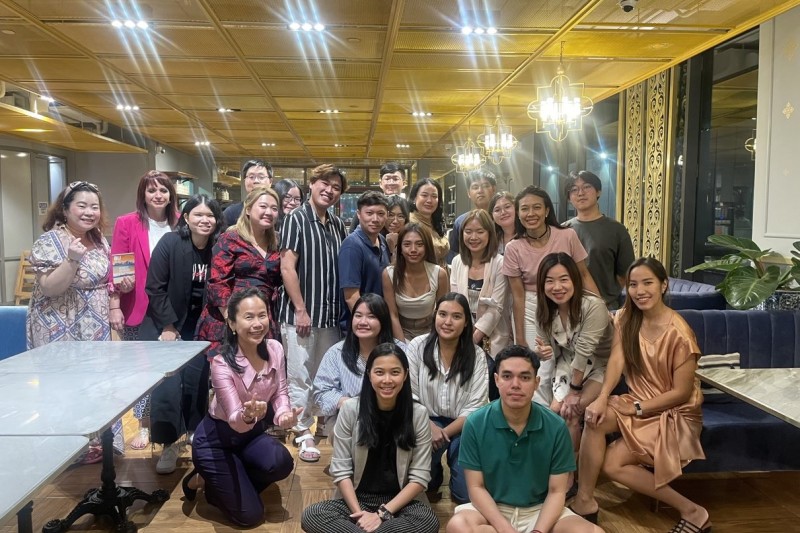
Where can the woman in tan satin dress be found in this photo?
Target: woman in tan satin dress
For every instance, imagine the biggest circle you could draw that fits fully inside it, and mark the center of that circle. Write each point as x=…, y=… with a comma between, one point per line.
x=660, y=418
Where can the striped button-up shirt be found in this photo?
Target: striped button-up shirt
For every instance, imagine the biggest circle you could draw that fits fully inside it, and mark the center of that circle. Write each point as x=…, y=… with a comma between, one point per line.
x=446, y=398
x=317, y=248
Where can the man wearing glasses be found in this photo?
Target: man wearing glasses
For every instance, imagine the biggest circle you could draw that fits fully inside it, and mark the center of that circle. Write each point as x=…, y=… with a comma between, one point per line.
x=255, y=173
x=482, y=185
x=606, y=240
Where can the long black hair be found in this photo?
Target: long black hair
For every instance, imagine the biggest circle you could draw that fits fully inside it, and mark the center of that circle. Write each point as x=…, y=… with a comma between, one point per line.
x=437, y=218
x=547, y=309
x=550, y=219
x=402, y=421
x=283, y=187
x=183, y=228
x=351, y=349
x=230, y=344
x=464, y=361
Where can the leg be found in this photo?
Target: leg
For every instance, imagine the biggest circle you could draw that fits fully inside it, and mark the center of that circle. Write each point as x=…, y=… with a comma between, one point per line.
x=330, y=516
x=266, y=461
x=416, y=517
x=297, y=355
x=590, y=461
x=575, y=524
x=469, y=521
x=494, y=393
x=458, y=482
x=437, y=472
x=620, y=465
x=141, y=411
x=194, y=402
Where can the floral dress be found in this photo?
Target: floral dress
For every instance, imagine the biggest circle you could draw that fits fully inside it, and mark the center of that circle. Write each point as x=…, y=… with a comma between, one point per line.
x=236, y=264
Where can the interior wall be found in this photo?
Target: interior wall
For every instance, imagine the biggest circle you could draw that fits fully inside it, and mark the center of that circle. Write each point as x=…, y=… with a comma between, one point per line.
x=197, y=165
x=777, y=175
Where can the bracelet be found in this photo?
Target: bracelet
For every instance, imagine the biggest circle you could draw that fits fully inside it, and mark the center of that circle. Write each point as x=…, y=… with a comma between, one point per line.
x=246, y=421
x=575, y=388
x=71, y=260
x=638, y=407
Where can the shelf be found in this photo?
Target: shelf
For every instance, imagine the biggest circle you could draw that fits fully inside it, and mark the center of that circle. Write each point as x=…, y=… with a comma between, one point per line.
x=227, y=180
x=181, y=176
x=222, y=185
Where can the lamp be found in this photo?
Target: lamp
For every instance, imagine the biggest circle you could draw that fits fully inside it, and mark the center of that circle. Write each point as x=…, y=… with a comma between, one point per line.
x=468, y=157
x=560, y=107
x=497, y=141
x=750, y=146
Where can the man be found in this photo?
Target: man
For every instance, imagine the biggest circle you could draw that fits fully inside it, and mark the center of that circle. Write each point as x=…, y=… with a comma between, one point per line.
x=481, y=186
x=517, y=456
x=254, y=173
x=606, y=240
x=310, y=304
x=364, y=252
x=392, y=182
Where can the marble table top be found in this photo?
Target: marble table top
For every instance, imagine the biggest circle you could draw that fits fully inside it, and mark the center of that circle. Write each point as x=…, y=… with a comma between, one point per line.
x=28, y=463
x=104, y=357
x=775, y=390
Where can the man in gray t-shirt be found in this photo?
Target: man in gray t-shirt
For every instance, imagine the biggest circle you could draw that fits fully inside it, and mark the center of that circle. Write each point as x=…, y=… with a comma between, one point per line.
x=606, y=240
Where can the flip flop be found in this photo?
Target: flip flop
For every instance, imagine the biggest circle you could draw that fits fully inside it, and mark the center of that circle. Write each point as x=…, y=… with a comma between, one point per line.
x=307, y=453
x=93, y=455
x=141, y=440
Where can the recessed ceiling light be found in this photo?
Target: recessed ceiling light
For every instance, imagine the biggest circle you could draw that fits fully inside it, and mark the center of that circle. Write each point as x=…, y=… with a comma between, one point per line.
x=466, y=30
x=130, y=24
x=478, y=31
x=270, y=145
x=402, y=145
x=2, y=156
x=225, y=110
x=603, y=155
x=306, y=26
x=421, y=114
x=491, y=30
x=339, y=145
x=30, y=130
x=22, y=154
x=550, y=169
x=127, y=107
x=329, y=111
x=9, y=32
x=319, y=27
x=142, y=25
x=116, y=23
x=47, y=99
x=353, y=40
x=202, y=143
x=294, y=26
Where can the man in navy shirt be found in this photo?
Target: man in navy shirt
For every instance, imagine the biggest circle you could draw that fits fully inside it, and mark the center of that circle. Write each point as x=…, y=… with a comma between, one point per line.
x=364, y=253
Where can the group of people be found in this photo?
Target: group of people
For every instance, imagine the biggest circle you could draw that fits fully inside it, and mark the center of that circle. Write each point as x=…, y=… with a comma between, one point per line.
x=492, y=345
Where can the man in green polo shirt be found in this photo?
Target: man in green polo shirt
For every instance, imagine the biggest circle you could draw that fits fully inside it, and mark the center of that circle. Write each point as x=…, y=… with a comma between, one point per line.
x=516, y=456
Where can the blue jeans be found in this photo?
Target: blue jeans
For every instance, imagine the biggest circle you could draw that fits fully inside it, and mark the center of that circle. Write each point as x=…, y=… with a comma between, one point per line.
x=458, y=484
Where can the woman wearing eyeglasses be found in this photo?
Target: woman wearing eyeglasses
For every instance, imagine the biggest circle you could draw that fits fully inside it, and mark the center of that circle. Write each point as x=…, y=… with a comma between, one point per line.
x=291, y=197
x=73, y=297
x=255, y=173
x=395, y=222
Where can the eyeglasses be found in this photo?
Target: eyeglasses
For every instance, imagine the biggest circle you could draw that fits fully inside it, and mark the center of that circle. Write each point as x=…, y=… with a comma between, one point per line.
x=582, y=188
x=257, y=178
x=76, y=184
x=288, y=199
x=393, y=216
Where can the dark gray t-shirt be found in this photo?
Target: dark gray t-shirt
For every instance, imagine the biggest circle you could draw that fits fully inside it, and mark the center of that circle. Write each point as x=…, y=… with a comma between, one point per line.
x=610, y=253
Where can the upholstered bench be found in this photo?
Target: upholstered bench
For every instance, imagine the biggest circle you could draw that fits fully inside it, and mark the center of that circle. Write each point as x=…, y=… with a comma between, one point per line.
x=12, y=330
x=685, y=294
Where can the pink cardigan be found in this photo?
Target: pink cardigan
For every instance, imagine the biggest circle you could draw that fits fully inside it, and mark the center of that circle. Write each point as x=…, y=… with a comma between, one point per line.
x=130, y=236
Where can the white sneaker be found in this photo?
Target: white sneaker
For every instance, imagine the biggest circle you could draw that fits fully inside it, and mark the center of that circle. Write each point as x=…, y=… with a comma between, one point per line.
x=169, y=459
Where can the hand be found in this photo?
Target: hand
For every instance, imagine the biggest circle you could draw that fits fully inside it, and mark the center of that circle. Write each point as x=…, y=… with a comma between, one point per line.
x=116, y=319
x=543, y=351
x=366, y=520
x=596, y=411
x=168, y=334
x=341, y=401
x=302, y=323
x=623, y=407
x=571, y=406
x=289, y=419
x=254, y=408
x=76, y=249
x=125, y=285
x=477, y=337
x=438, y=436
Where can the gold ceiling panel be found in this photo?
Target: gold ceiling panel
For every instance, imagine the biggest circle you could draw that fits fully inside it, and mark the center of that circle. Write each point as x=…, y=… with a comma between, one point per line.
x=200, y=85
x=104, y=10
x=430, y=99
x=506, y=13
x=346, y=12
x=309, y=106
x=455, y=61
x=109, y=100
x=626, y=44
x=284, y=43
x=454, y=41
x=316, y=70
x=28, y=41
x=187, y=66
x=211, y=102
x=321, y=88
x=592, y=73
x=214, y=118
x=25, y=70
x=432, y=80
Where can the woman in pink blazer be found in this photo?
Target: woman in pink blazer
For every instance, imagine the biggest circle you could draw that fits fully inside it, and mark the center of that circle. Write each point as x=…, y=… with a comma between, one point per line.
x=138, y=233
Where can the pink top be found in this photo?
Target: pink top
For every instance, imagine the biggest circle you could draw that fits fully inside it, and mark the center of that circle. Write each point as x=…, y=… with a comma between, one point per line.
x=131, y=236
x=231, y=389
x=522, y=260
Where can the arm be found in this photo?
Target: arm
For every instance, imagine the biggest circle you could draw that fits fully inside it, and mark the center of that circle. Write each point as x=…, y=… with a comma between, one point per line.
x=419, y=468
x=391, y=303
x=327, y=389
x=55, y=272
x=683, y=383
x=594, y=324
x=518, y=292
x=291, y=283
x=494, y=308
x=476, y=392
x=221, y=277
x=442, y=284
x=588, y=281
x=280, y=400
x=351, y=296
x=121, y=244
x=57, y=281
x=227, y=396
x=350, y=274
x=616, y=364
x=484, y=504
x=158, y=278
x=553, y=504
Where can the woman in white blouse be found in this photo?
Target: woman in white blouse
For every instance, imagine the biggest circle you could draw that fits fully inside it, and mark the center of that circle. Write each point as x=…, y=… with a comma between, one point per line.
x=449, y=376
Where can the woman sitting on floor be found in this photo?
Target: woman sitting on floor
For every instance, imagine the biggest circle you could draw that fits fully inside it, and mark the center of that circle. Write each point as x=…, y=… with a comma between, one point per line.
x=660, y=418
x=235, y=460
x=381, y=456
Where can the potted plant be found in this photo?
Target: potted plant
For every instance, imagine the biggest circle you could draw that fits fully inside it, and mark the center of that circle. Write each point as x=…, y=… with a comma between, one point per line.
x=752, y=278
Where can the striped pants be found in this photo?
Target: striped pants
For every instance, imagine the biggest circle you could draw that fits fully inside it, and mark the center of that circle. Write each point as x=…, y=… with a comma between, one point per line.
x=333, y=516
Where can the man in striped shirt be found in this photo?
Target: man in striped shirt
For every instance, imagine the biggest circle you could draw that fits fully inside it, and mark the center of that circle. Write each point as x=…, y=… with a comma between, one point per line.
x=310, y=301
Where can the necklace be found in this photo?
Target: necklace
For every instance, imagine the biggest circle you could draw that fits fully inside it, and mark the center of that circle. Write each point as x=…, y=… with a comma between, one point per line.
x=543, y=235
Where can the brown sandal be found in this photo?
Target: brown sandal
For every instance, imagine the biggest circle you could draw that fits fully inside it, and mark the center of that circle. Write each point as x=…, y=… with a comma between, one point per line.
x=684, y=526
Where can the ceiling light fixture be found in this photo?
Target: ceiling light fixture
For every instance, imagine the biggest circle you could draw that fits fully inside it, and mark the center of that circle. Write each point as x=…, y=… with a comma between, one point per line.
x=402, y=146
x=202, y=143
x=9, y=32
x=421, y=114
x=225, y=110
x=328, y=111
x=130, y=24
x=268, y=145
x=468, y=157
x=22, y=154
x=307, y=26
x=127, y=107
x=497, y=141
x=339, y=145
x=478, y=30
x=47, y=99
x=560, y=107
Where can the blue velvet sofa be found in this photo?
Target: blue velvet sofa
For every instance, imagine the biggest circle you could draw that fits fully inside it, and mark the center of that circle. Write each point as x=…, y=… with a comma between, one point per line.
x=738, y=437
x=12, y=330
x=686, y=294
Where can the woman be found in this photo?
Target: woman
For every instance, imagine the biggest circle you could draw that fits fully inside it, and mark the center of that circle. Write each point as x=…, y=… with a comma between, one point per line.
x=395, y=222
x=73, y=296
x=290, y=197
x=504, y=214
x=138, y=233
x=341, y=371
x=412, y=286
x=176, y=285
x=538, y=234
x=425, y=204
x=246, y=255
x=449, y=376
x=660, y=418
x=575, y=330
x=381, y=456
x=477, y=273
x=234, y=459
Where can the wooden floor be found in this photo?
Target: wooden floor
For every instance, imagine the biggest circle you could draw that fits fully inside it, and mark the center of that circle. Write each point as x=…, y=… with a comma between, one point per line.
x=738, y=503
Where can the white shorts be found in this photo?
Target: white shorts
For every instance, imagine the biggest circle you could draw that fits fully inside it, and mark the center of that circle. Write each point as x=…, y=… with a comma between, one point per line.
x=522, y=518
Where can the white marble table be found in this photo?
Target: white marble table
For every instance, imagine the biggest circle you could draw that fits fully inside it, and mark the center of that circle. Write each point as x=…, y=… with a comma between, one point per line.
x=774, y=390
x=27, y=464
x=104, y=357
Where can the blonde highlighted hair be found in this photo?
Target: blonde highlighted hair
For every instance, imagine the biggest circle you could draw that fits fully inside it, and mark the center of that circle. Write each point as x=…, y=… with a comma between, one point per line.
x=243, y=226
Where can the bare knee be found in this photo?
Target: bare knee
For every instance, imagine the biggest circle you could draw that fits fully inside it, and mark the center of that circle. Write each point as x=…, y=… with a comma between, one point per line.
x=464, y=522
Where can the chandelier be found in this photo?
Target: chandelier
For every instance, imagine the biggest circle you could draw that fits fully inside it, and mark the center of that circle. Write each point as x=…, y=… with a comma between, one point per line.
x=560, y=107
x=497, y=141
x=468, y=157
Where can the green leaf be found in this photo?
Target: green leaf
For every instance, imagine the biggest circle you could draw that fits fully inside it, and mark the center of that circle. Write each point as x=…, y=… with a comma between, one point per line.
x=726, y=264
x=736, y=243
x=744, y=289
x=796, y=251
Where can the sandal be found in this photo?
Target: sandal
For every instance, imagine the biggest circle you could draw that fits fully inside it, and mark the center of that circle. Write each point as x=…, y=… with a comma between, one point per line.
x=684, y=526
x=307, y=453
x=93, y=455
x=141, y=440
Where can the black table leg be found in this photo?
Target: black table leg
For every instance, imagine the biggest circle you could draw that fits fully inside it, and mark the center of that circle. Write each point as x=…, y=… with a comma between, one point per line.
x=24, y=519
x=109, y=500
